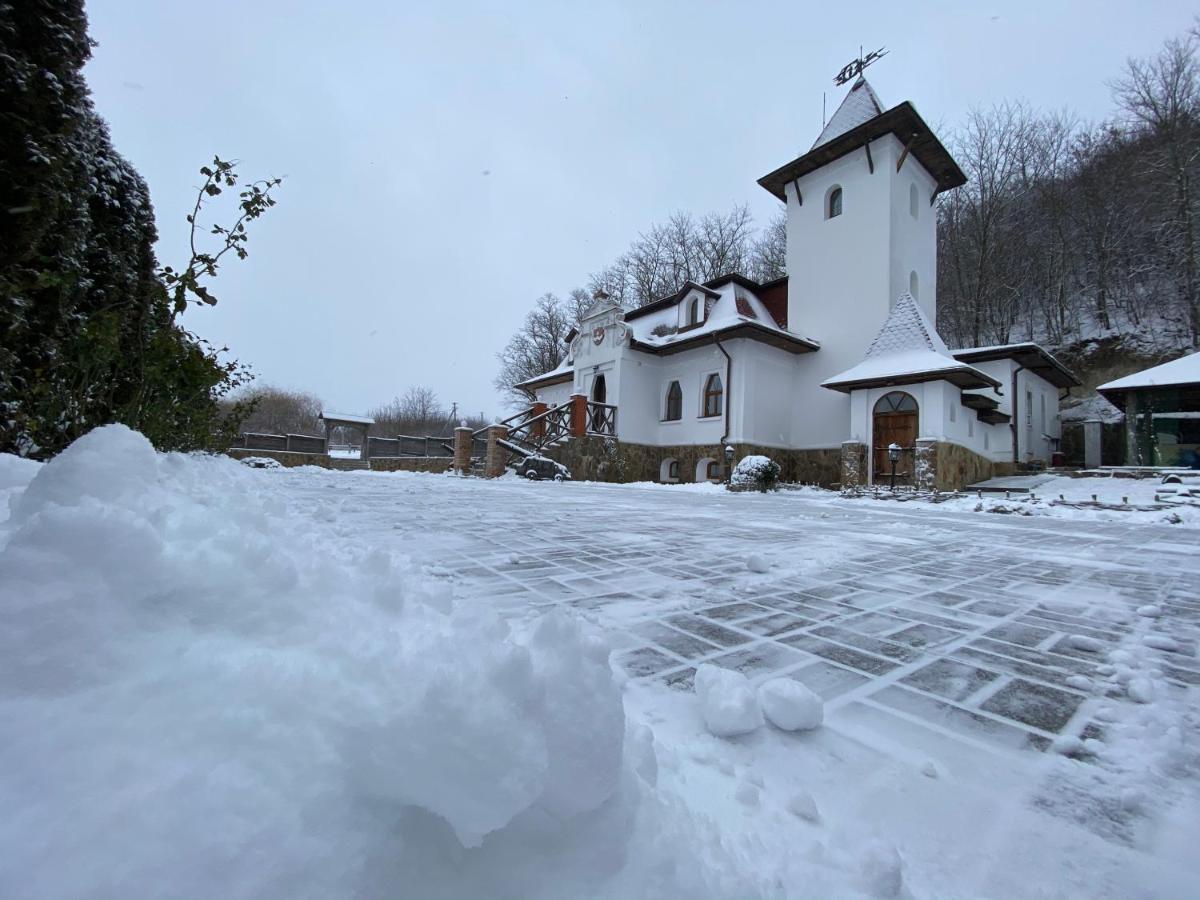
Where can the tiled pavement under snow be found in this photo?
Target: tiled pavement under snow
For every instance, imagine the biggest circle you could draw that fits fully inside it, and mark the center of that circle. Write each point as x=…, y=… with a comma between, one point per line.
x=995, y=632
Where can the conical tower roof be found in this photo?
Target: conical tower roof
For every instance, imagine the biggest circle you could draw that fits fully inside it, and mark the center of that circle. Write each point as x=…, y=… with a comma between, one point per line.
x=859, y=106
x=908, y=350
x=907, y=328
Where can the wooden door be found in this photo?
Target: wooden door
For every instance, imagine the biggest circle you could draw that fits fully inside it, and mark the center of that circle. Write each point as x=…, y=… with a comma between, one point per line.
x=899, y=428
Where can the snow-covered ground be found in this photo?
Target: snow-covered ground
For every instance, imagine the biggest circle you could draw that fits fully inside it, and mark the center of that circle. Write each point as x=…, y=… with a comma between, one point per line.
x=220, y=681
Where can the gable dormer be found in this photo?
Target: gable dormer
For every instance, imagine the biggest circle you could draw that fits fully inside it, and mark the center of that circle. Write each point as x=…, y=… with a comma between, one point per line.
x=694, y=304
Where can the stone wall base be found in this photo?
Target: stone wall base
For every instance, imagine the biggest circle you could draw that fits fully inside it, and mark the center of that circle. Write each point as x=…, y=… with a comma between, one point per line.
x=606, y=459
x=286, y=458
x=411, y=463
x=377, y=464
x=957, y=467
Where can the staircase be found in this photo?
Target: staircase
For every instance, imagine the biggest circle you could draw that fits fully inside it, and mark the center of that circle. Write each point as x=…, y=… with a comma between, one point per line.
x=534, y=430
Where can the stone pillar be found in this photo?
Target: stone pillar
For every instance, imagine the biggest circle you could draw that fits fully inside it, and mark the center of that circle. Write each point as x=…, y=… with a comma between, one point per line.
x=538, y=429
x=925, y=465
x=462, y=450
x=578, y=415
x=854, y=464
x=497, y=456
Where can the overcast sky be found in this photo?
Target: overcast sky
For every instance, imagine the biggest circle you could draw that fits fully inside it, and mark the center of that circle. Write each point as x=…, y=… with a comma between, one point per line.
x=447, y=163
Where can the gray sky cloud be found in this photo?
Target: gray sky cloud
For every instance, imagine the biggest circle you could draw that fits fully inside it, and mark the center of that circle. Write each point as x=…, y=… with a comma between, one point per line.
x=446, y=164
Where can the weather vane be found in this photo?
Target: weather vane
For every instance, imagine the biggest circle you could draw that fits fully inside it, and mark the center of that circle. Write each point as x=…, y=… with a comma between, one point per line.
x=854, y=68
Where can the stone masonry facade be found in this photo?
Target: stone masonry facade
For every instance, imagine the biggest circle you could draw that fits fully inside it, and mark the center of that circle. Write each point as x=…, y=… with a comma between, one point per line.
x=376, y=464
x=605, y=459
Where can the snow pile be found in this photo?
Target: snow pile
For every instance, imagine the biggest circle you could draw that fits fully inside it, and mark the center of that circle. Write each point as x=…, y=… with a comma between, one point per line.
x=790, y=705
x=727, y=701
x=202, y=690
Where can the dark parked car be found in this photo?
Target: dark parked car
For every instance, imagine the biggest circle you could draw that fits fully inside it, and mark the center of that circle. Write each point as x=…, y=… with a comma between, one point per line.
x=536, y=468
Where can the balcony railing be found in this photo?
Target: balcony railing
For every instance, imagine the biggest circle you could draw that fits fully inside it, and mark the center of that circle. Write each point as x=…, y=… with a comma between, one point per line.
x=602, y=419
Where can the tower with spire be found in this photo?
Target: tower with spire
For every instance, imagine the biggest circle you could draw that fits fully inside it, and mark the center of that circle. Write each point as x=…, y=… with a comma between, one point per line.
x=861, y=231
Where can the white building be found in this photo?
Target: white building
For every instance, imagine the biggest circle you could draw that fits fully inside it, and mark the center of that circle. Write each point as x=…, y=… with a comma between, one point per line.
x=842, y=353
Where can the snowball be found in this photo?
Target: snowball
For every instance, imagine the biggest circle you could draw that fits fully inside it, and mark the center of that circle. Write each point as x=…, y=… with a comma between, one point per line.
x=1082, y=642
x=1079, y=682
x=1140, y=690
x=790, y=705
x=1067, y=745
x=757, y=563
x=1161, y=642
x=727, y=701
x=1150, y=611
x=804, y=806
x=930, y=769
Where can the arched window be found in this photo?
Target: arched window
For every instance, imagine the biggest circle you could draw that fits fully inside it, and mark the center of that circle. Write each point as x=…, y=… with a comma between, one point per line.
x=913, y=206
x=834, y=206
x=713, y=395
x=913, y=286
x=674, y=403
x=708, y=469
x=693, y=311
x=896, y=401
x=668, y=470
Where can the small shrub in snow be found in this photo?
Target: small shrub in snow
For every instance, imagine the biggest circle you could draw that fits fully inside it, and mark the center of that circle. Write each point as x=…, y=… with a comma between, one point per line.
x=759, y=472
x=727, y=701
x=790, y=705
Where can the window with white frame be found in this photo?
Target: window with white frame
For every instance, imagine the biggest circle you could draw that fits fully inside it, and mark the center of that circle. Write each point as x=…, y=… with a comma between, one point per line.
x=714, y=396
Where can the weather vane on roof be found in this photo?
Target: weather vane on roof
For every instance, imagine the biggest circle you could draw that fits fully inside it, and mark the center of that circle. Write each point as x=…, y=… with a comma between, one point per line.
x=854, y=68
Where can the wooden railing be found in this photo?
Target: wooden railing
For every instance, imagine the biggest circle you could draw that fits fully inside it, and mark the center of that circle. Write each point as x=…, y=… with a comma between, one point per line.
x=602, y=419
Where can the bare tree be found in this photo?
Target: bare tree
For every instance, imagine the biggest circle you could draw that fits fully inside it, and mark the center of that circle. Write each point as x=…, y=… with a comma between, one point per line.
x=768, y=255
x=1162, y=96
x=416, y=413
x=280, y=411
x=538, y=347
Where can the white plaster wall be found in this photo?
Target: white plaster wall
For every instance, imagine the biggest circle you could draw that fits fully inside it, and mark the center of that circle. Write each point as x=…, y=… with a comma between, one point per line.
x=1036, y=442
x=913, y=245
x=556, y=394
x=848, y=271
x=644, y=381
x=768, y=379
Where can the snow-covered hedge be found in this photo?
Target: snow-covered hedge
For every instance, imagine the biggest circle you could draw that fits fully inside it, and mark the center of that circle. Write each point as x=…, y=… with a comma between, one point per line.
x=756, y=471
x=207, y=693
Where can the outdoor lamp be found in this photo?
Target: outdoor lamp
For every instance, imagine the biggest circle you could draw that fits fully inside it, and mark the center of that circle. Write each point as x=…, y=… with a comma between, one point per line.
x=894, y=456
x=728, y=462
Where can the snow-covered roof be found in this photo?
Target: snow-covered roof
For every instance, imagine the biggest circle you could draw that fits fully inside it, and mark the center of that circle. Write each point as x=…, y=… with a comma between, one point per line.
x=908, y=349
x=1185, y=370
x=730, y=303
x=1031, y=356
x=859, y=106
x=346, y=417
x=561, y=372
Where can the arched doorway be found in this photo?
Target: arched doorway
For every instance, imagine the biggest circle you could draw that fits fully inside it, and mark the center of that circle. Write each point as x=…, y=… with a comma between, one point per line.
x=895, y=422
x=599, y=390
